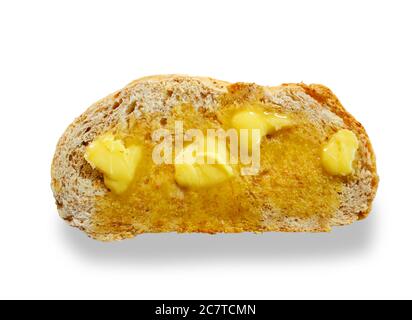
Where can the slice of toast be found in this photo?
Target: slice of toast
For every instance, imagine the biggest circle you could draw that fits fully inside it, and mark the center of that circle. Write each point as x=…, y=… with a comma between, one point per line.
x=291, y=192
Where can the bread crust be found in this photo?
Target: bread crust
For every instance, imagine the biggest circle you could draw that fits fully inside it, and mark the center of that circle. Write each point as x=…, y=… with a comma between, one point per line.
x=75, y=186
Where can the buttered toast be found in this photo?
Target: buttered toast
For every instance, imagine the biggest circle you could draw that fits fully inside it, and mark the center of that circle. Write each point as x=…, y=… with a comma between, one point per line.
x=187, y=154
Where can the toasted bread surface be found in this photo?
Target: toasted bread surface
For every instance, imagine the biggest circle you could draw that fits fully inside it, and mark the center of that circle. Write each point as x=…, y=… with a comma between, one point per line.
x=291, y=194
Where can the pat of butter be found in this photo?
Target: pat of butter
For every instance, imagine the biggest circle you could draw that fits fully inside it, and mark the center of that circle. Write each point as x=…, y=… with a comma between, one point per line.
x=265, y=122
x=196, y=168
x=117, y=162
x=339, y=153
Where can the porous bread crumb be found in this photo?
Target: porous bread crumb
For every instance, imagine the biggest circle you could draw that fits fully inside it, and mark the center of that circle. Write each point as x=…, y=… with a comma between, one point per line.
x=76, y=185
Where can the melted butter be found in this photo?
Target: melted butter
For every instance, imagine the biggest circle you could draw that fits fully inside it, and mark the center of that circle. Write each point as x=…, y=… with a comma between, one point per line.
x=203, y=168
x=292, y=181
x=115, y=160
x=155, y=201
x=339, y=153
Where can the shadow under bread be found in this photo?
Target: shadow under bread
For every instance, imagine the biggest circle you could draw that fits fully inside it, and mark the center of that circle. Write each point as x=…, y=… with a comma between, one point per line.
x=162, y=250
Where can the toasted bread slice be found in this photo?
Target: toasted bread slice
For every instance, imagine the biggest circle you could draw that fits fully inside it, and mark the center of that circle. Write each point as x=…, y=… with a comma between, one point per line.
x=292, y=191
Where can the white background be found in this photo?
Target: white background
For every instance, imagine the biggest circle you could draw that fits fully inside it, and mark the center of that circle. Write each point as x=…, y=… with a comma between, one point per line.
x=58, y=57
